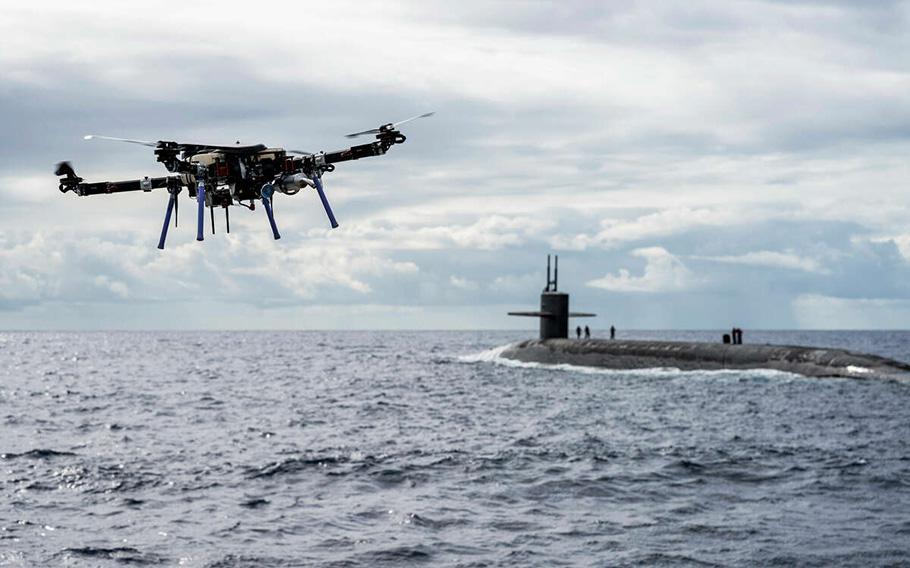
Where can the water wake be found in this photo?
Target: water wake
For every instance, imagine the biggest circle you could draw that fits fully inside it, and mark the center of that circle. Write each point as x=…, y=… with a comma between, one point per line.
x=494, y=356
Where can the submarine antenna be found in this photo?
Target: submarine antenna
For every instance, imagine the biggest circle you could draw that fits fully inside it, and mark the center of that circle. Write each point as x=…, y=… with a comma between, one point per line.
x=547, y=289
x=551, y=282
x=556, y=275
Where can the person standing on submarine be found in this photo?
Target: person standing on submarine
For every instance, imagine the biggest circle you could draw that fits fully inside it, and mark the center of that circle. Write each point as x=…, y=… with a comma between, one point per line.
x=578, y=332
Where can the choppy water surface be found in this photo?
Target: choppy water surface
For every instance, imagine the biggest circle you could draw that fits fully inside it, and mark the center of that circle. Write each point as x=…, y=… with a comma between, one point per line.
x=388, y=448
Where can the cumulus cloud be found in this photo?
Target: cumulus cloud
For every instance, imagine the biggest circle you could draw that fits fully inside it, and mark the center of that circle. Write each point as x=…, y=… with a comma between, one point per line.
x=651, y=226
x=53, y=267
x=663, y=272
x=901, y=241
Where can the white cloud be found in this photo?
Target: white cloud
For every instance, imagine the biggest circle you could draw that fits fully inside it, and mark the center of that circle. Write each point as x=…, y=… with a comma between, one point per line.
x=430, y=231
x=663, y=272
x=116, y=287
x=462, y=283
x=902, y=242
x=772, y=259
x=58, y=267
x=664, y=223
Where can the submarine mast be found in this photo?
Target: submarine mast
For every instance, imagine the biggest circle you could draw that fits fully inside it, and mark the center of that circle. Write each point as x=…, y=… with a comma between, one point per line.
x=554, y=311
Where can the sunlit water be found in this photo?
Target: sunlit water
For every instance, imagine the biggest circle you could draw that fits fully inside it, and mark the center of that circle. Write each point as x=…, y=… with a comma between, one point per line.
x=391, y=448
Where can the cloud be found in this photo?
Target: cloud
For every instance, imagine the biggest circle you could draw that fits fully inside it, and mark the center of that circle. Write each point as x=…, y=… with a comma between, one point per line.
x=462, y=283
x=901, y=241
x=772, y=259
x=663, y=272
x=742, y=134
x=653, y=225
x=55, y=267
x=423, y=232
x=816, y=311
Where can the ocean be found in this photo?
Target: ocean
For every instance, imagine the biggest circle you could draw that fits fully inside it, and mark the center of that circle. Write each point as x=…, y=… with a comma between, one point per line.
x=223, y=449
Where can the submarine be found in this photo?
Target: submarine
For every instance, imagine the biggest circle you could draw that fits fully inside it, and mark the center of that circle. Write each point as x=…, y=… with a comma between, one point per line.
x=555, y=348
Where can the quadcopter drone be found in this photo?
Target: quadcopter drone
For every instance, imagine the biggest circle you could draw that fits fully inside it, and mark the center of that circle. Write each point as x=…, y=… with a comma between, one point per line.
x=221, y=176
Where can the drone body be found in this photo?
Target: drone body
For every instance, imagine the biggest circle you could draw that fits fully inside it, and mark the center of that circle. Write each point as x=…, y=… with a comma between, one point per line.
x=222, y=176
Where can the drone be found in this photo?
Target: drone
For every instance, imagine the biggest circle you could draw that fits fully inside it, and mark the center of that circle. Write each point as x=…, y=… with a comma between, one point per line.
x=222, y=176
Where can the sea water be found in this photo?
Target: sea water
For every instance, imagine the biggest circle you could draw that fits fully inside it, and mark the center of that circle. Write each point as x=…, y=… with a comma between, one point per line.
x=400, y=448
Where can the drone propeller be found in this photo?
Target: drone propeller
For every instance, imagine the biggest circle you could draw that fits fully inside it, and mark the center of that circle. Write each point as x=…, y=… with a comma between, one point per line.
x=181, y=146
x=141, y=142
x=299, y=152
x=390, y=126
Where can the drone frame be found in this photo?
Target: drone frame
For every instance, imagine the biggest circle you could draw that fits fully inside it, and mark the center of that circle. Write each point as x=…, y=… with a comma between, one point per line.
x=228, y=175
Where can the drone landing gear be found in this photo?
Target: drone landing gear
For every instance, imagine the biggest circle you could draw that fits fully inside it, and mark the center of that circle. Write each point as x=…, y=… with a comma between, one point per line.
x=317, y=181
x=200, y=211
x=171, y=207
x=267, y=191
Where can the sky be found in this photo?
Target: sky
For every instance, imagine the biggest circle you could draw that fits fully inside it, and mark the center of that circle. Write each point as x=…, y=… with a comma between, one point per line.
x=695, y=165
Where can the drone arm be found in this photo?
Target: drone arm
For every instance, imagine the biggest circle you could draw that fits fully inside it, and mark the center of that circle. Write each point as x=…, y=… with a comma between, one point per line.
x=104, y=187
x=354, y=153
x=384, y=141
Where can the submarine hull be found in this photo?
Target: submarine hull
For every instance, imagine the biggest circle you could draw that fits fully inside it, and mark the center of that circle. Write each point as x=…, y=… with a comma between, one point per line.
x=621, y=354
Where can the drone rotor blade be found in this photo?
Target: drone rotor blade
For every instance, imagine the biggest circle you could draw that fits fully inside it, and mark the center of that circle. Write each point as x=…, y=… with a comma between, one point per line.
x=299, y=152
x=200, y=212
x=424, y=115
x=325, y=202
x=392, y=125
x=171, y=205
x=140, y=142
x=362, y=132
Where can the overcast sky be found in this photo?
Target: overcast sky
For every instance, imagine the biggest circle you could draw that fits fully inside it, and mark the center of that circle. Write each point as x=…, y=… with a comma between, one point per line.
x=695, y=164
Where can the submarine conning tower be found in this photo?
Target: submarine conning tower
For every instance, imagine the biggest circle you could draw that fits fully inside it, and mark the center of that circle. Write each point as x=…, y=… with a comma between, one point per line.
x=554, y=311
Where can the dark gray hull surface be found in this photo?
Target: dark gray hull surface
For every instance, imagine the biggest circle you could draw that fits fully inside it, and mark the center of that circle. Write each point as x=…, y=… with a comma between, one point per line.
x=809, y=361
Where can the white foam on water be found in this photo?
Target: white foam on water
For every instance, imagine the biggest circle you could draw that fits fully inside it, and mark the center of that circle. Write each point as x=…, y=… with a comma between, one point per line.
x=495, y=357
